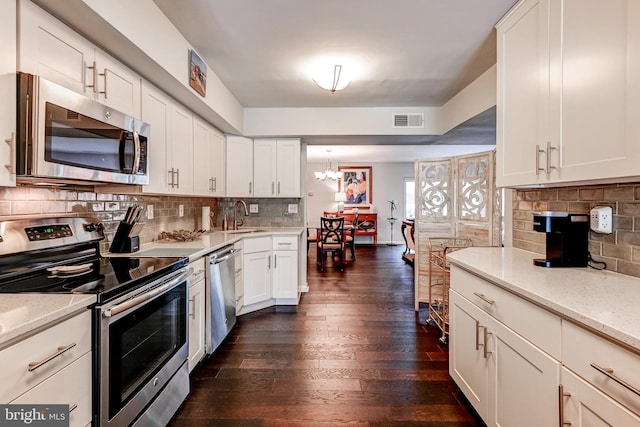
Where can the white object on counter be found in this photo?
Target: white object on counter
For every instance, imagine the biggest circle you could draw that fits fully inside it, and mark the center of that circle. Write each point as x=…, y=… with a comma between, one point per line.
x=205, y=221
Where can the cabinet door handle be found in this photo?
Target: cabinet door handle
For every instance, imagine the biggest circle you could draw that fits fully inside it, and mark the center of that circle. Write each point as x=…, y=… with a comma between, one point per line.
x=62, y=349
x=73, y=407
x=485, y=352
x=549, y=150
x=269, y=262
x=94, y=72
x=171, y=184
x=478, y=335
x=104, y=75
x=192, y=313
x=272, y=187
x=538, y=151
x=608, y=372
x=278, y=187
x=178, y=180
x=484, y=298
x=12, y=153
x=561, y=396
x=215, y=184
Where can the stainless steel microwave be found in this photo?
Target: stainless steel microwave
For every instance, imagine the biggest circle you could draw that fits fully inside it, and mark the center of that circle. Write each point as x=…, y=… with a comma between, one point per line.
x=63, y=135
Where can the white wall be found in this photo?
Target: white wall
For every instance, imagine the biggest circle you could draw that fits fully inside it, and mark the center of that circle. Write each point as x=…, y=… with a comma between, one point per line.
x=387, y=180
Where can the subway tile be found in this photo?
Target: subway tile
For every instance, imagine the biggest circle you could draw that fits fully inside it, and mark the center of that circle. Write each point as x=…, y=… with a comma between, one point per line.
x=591, y=194
x=622, y=222
x=578, y=207
x=54, y=207
x=5, y=208
x=629, y=208
x=618, y=193
x=622, y=252
x=568, y=194
x=628, y=238
x=26, y=207
x=112, y=206
x=558, y=206
x=77, y=206
x=96, y=206
x=86, y=196
x=104, y=197
x=629, y=268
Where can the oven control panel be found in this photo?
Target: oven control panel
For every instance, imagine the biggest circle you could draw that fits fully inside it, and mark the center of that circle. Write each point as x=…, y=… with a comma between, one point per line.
x=48, y=232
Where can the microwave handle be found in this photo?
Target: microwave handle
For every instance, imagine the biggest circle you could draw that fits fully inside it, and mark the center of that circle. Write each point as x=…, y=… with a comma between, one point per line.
x=136, y=153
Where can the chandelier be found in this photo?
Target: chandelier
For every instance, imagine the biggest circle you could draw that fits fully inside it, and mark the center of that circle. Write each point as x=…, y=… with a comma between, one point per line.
x=328, y=173
x=331, y=80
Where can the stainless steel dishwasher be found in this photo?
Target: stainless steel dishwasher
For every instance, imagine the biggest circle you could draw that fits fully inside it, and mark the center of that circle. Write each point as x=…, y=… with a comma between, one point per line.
x=220, y=307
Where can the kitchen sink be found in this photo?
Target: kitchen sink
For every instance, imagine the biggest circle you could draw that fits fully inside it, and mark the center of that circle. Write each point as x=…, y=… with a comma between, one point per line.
x=245, y=230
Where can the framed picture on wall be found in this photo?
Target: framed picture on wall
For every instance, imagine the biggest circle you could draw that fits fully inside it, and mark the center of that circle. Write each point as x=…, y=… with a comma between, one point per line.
x=356, y=184
x=197, y=73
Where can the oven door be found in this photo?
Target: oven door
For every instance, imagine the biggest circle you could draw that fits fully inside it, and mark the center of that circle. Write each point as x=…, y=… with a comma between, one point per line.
x=142, y=346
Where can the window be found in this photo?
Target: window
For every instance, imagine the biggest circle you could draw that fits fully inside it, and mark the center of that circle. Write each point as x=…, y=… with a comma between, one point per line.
x=409, y=198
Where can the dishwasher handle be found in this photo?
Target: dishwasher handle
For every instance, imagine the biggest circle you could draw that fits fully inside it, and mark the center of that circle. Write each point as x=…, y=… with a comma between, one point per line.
x=221, y=256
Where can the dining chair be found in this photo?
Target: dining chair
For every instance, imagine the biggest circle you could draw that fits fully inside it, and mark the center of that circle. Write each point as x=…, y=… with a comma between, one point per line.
x=350, y=237
x=331, y=240
x=312, y=237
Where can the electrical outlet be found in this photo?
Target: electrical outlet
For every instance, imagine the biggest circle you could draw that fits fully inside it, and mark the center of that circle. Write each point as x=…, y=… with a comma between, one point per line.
x=149, y=211
x=253, y=208
x=292, y=208
x=181, y=210
x=602, y=219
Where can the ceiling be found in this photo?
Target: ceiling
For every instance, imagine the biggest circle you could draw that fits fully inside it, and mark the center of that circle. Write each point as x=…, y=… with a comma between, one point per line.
x=410, y=53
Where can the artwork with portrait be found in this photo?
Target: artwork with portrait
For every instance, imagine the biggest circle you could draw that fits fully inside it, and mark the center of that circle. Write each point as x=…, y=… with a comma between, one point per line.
x=356, y=184
x=197, y=73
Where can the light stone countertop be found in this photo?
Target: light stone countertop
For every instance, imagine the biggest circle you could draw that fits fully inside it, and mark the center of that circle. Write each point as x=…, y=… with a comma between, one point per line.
x=606, y=302
x=21, y=314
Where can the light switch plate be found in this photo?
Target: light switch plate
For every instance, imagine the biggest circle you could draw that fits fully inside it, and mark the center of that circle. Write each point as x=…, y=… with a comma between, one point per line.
x=292, y=208
x=253, y=208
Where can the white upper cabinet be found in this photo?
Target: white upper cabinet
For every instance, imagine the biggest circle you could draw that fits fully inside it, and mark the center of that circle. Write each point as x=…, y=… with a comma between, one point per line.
x=288, y=168
x=156, y=111
x=8, y=90
x=50, y=49
x=239, y=164
x=180, y=153
x=208, y=159
x=276, y=167
x=264, y=167
x=568, y=92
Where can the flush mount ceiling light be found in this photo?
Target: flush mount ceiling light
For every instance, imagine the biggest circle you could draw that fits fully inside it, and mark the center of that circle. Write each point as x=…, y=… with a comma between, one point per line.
x=331, y=78
x=328, y=173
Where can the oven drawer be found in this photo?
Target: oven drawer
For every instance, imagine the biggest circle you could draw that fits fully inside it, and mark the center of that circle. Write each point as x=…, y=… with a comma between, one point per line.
x=583, y=352
x=69, y=386
x=47, y=349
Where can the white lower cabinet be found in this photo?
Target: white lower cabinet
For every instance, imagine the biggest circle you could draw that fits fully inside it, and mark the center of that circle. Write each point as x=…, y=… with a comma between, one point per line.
x=285, y=267
x=585, y=406
x=69, y=386
x=521, y=365
x=257, y=270
x=506, y=378
x=197, y=294
x=51, y=367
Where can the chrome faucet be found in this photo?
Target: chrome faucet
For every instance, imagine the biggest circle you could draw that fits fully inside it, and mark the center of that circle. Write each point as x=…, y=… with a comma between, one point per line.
x=237, y=223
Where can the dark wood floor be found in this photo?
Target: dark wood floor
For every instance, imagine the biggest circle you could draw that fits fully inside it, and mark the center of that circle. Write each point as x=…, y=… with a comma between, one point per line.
x=354, y=352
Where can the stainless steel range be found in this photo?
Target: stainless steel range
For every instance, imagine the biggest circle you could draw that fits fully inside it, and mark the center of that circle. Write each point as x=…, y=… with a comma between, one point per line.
x=139, y=315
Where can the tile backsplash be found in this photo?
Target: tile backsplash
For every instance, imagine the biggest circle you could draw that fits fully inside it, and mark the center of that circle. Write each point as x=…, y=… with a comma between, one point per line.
x=110, y=208
x=620, y=250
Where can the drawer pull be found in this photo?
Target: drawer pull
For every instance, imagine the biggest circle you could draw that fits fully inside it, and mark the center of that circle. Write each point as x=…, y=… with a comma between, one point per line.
x=483, y=298
x=35, y=365
x=608, y=372
x=72, y=407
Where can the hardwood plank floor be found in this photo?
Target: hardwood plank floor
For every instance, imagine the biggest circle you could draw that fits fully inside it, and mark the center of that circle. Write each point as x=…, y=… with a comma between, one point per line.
x=353, y=353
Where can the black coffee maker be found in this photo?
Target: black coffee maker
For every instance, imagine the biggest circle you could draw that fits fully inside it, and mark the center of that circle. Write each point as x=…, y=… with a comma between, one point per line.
x=567, y=238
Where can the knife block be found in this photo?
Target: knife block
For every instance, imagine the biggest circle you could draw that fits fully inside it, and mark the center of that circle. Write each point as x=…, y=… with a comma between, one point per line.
x=123, y=241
